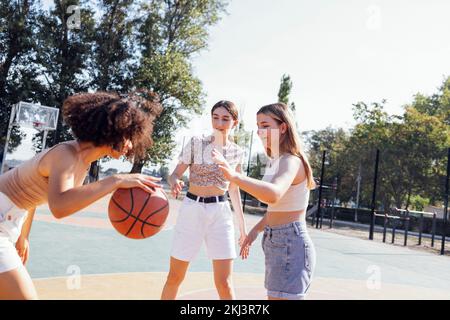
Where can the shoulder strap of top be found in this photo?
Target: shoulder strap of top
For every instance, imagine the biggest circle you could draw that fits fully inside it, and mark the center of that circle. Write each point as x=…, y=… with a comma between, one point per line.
x=44, y=152
x=60, y=144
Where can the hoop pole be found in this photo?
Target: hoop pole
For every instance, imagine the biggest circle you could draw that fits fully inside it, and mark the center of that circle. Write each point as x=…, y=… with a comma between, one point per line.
x=318, y=212
x=44, y=139
x=374, y=193
x=446, y=195
x=8, y=135
x=358, y=188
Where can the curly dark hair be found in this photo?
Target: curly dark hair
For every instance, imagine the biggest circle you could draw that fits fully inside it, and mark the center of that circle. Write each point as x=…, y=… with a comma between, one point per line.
x=107, y=118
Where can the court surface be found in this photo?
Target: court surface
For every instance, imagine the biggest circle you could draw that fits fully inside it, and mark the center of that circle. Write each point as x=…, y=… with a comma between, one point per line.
x=83, y=257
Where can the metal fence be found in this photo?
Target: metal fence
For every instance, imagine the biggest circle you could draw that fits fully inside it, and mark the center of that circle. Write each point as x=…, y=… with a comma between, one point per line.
x=377, y=211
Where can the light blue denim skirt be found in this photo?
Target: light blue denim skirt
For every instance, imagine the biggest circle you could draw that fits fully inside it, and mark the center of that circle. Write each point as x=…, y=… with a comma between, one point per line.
x=290, y=260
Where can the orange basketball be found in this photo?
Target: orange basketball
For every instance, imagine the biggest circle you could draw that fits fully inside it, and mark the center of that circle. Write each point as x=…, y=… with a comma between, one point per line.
x=138, y=214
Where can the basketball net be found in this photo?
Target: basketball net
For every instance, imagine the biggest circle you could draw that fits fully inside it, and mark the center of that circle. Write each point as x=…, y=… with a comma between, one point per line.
x=38, y=125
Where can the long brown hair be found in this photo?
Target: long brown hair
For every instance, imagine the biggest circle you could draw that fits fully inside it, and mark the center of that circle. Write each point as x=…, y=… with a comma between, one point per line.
x=290, y=140
x=229, y=106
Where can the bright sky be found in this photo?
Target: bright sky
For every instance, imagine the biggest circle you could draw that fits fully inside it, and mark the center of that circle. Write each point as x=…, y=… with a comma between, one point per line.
x=336, y=52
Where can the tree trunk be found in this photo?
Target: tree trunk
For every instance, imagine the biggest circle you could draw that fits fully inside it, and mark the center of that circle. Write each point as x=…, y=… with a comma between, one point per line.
x=137, y=167
x=409, y=197
x=94, y=170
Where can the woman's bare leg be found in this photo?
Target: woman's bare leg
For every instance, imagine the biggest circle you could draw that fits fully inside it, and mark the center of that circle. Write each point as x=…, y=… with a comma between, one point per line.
x=222, y=278
x=175, y=277
x=17, y=285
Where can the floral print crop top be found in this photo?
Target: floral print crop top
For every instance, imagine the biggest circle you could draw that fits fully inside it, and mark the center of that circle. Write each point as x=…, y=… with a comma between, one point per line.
x=202, y=170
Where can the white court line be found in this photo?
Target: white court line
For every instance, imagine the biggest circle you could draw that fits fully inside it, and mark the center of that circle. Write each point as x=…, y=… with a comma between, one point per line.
x=214, y=289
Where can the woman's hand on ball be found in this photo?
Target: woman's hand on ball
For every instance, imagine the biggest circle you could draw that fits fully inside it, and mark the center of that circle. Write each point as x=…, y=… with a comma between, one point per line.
x=132, y=180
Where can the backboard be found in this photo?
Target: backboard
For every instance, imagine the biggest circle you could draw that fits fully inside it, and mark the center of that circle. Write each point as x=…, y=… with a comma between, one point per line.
x=29, y=114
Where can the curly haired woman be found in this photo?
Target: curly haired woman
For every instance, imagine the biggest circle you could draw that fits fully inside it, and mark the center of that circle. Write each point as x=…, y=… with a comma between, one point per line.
x=104, y=124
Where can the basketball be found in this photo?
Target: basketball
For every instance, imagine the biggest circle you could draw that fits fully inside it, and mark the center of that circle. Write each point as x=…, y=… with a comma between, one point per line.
x=138, y=214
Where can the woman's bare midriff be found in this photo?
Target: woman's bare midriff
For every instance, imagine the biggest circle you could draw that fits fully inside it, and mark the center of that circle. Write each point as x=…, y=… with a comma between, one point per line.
x=275, y=218
x=202, y=191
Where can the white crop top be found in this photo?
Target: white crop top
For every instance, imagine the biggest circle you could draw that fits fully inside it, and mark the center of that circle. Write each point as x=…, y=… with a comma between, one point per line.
x=296, y=197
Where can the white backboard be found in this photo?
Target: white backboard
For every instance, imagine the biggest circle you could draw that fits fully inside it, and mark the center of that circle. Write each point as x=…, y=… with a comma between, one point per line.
x=31, y=114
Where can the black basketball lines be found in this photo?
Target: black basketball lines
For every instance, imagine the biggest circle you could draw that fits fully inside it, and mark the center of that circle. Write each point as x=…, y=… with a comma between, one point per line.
x=137, y=218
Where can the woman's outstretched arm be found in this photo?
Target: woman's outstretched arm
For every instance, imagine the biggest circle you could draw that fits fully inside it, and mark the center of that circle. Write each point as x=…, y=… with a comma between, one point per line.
x=22, y=244
x=64, y=198
x=174, y=180
x=235, y=197
x=268, y=192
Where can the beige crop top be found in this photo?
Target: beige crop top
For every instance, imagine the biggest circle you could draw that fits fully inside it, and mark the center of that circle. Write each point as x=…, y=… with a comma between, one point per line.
x=202, y=170
x=25, y=186
x=296, y=197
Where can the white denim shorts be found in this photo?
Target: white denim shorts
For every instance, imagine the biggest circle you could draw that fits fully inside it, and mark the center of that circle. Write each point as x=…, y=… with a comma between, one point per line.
x=9, y=258
x=199, y=222
x=11, y=222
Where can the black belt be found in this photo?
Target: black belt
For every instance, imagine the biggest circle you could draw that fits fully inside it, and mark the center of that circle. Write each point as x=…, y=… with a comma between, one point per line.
x=206, y=199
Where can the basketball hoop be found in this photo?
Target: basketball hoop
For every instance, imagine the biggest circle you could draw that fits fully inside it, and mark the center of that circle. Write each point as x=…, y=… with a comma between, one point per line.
x=30, y=115
x=40, y=126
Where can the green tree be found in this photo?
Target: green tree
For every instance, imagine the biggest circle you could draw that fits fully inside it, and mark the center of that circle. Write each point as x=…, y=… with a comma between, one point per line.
x=370, y=133
x=113, y=63
x=414, y=145
x=333, y=141
x=285, y=90
x=418, y=203
x=444, y=101
x=134, y=44
x=164, y=173
x=113, y=59
x=437, y=104
x=169, y=33
x=411, y=154
x=171, y=76
x=64, y=49
x=17, y=71
x=177, y=25
x=430, y=115
x=258, y=162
